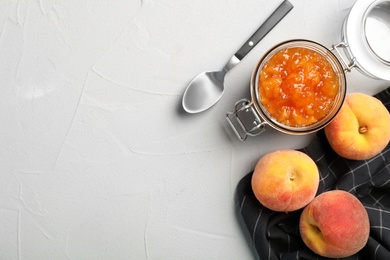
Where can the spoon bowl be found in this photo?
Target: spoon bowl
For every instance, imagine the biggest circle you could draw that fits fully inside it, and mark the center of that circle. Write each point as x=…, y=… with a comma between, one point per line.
x=195, y=100
x=206, y=89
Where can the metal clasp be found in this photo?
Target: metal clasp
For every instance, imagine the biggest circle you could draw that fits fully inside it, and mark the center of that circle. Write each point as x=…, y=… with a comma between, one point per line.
x=244, y=120
x=348, y=62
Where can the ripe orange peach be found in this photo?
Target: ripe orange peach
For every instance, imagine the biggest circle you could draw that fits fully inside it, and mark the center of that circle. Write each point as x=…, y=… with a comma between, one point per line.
x=335, y=224
x=361, y=129
x=285, y=180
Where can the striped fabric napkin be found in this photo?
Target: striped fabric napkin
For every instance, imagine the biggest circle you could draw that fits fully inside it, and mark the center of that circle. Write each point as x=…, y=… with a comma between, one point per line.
x=275, y=235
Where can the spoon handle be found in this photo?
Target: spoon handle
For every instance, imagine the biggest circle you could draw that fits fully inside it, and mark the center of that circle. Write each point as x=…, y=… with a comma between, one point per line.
x=267, y=26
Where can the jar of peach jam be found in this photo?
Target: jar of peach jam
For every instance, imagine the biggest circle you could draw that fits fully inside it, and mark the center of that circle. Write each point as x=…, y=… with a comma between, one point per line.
x=296, y=88
x=299, y=85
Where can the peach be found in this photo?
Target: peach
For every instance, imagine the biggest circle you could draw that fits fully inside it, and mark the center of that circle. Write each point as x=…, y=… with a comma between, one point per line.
x=335, y=224
x=285, y=180
x=361, y=129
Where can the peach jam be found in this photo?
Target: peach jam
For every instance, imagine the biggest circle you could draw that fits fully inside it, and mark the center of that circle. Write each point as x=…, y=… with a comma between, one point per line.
x=298, y=86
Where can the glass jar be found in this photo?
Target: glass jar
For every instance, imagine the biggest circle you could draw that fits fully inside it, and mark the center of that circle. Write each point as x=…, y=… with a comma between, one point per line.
x=250, y=117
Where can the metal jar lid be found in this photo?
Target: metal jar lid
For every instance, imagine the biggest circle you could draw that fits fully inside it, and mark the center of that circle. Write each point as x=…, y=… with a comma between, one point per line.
x=366, y=36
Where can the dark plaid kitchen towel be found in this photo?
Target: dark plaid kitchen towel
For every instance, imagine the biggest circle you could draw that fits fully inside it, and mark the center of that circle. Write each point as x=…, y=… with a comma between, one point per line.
x=275, y=235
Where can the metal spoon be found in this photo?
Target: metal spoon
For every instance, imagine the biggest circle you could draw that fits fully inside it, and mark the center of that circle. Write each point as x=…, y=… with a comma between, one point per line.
x=207, y=88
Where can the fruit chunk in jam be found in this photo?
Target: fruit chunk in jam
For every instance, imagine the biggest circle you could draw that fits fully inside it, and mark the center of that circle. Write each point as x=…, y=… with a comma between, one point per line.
x=298, y=86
